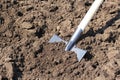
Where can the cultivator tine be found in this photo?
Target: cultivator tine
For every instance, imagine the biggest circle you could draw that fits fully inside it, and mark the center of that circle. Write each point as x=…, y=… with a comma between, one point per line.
x=56, y=38
x=71, y=44
x=80, y=53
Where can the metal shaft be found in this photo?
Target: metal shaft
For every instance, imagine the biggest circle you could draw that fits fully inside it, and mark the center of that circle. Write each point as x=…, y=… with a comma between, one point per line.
x=95, y=6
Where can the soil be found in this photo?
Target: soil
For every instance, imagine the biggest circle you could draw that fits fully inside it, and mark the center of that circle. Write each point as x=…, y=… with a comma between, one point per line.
x=27, y=25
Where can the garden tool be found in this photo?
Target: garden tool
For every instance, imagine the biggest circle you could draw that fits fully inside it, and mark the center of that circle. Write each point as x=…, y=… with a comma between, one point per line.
x=71, y=45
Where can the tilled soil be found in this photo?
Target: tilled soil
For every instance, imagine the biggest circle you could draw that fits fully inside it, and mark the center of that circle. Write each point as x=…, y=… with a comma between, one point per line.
x=27, y=25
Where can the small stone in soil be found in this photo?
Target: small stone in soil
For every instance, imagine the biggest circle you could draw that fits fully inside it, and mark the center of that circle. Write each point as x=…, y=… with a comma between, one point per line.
x=53, y=8
x=9, y=68
x=26, y=25
x=8, y=59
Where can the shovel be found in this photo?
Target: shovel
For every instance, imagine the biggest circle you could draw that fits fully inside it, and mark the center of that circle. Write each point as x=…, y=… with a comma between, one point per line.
x=71, y=45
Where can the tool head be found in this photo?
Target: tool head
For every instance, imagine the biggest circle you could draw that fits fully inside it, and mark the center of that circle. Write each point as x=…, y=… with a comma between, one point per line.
x=80, y=53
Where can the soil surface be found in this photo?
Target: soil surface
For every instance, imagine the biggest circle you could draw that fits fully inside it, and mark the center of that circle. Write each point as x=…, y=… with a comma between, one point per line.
x=27, y=25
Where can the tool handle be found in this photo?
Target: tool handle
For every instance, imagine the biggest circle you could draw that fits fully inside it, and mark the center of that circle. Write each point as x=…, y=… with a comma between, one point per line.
x=86, y=19
x=83, y=24
x=95, y=6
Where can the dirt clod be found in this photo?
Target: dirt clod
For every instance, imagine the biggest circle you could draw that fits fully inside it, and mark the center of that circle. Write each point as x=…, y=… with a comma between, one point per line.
x=26, y=25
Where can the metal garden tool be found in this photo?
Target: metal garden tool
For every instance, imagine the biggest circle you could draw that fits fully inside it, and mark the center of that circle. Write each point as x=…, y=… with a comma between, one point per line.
x=71, y=44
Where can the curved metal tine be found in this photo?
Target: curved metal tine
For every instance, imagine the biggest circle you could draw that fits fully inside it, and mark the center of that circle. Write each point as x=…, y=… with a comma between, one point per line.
x=80, y=53
x=56, y=38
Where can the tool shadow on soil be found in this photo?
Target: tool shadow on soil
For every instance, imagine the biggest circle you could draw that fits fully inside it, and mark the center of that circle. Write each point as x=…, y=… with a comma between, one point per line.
x=17, y=72
x=101, y=30
x=88, y=56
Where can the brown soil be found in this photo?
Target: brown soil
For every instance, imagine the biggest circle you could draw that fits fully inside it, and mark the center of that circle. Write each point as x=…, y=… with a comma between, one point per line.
x=27, y=25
